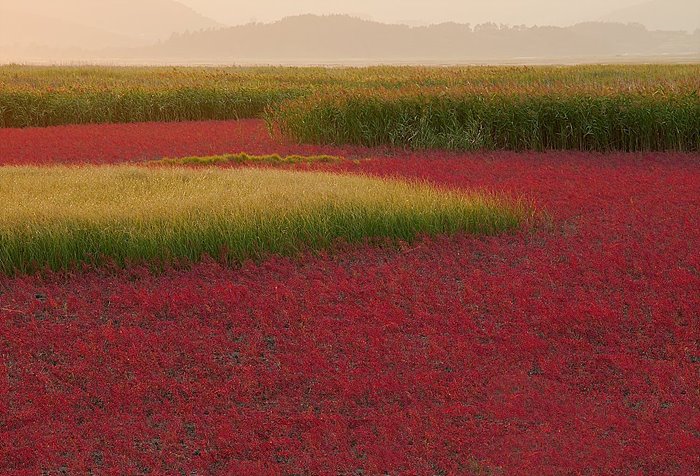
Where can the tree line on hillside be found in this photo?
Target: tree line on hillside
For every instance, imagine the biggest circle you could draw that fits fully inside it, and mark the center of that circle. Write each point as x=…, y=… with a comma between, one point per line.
x=340, y=36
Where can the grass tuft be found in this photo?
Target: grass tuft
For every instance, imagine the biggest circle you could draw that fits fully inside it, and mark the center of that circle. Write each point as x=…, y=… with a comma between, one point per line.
x=243, y=158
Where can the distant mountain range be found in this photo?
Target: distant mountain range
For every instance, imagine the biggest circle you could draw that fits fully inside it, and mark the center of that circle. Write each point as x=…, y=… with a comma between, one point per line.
x=311, y=37
x=112, y=31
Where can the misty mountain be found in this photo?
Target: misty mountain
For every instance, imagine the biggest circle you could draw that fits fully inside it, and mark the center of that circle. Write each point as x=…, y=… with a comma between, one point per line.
x=421, y=12
x=23, y=28
x=311, y=37
x=93, y=24
x=661, y=15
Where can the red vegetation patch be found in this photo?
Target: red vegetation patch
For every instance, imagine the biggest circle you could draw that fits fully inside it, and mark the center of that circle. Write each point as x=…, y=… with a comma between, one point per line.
x=571, y=349
x=118, y=143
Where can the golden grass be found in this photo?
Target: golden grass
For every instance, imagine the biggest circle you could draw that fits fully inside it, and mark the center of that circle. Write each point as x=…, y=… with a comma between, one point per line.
x=58, y=216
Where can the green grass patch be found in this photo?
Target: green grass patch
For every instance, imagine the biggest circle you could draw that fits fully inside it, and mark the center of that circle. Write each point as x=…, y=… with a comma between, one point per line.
x=243, y=158
x=57, y=217
x=462, y=120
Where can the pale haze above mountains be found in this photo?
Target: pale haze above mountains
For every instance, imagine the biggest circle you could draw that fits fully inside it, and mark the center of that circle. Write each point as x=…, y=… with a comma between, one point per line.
x=93, y=29
x=96, y=23
x=654, y=14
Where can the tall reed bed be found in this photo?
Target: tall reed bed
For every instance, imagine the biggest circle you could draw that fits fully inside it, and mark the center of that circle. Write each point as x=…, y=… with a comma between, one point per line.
x=57, y=217
x=627, y=108
x=43, y=96
x=463, y=120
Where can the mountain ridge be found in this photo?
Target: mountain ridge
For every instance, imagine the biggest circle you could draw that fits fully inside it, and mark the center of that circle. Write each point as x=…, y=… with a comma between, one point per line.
x=329, y=36
x=134, y=21
x=312, y=39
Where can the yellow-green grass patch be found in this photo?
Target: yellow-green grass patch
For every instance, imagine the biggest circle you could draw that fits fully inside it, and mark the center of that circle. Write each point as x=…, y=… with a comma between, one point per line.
x=244, y=158
x=56, y=217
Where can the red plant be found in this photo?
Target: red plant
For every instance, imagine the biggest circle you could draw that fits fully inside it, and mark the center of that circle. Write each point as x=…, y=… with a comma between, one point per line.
x=571, y=348
x=117, y=143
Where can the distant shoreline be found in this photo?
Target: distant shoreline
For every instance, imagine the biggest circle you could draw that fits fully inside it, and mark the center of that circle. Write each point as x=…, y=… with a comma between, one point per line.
x=691, y=58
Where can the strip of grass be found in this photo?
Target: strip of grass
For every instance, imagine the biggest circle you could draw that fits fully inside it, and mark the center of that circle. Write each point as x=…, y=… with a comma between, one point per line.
x=59, y=216
x=51, y=107
x=425, y=119
x=243, y=158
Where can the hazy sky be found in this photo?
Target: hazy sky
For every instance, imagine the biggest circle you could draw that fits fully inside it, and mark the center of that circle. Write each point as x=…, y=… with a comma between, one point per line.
x=126, y=23
x=541, y=12
x=32, y=27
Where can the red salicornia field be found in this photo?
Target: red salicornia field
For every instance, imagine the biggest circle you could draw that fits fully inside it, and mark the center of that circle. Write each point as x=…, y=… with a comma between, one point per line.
x=490, y=311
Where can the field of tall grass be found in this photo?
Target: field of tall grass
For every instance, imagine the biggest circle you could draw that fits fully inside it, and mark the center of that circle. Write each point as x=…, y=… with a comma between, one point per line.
x=643, y=107
x=464, y=120
x=57, y=217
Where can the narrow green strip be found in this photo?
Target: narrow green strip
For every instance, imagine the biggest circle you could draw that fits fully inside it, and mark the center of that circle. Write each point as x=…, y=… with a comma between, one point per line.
x=243, y=158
